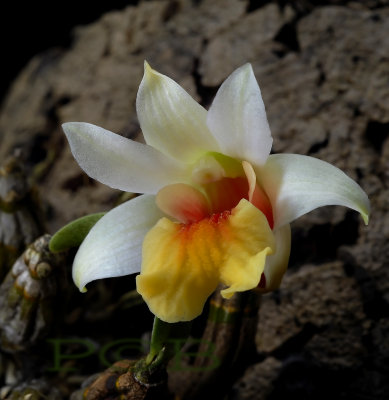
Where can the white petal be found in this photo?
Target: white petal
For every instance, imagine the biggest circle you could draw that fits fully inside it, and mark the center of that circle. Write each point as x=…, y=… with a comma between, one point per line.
x=277, y=263
x=119, y=162
x=171, y=120
x=113, y=246
x=237, y=118
x=297, y=184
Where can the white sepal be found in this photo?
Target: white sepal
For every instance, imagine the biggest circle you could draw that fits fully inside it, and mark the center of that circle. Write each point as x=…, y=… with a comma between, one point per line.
x=119, y=162
x=170, y=119
x=113, y=246
x=237, y=118
x=298, y=184
x=277, y=263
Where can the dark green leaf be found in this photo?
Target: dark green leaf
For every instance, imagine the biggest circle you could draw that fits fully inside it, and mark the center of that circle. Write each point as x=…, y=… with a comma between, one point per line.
x=73, y=234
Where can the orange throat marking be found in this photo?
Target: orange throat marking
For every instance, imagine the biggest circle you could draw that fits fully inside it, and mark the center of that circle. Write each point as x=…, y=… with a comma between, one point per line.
x=213, y=220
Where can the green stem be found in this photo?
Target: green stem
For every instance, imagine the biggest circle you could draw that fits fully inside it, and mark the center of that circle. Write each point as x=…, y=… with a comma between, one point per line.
x=159, y=336
x=164, y=339
x=165, y=342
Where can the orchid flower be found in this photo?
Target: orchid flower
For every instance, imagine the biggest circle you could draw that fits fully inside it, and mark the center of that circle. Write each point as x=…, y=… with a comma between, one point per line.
x=216, y=207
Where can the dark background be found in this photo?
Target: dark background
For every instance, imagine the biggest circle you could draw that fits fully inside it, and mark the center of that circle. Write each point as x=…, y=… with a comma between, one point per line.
x=28, y=28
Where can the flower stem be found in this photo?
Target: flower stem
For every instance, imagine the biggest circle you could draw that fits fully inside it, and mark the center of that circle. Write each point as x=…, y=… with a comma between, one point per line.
x=165, y=343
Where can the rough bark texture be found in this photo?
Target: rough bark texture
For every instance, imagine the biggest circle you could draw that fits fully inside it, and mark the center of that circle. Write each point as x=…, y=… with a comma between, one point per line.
x=323, y=72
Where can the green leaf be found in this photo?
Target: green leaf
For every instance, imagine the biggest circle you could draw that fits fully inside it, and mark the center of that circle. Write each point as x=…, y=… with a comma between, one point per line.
x=73, y=234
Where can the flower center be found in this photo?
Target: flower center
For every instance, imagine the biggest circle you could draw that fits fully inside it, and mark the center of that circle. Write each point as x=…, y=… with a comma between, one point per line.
x=213, y=220
x=220, y=184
